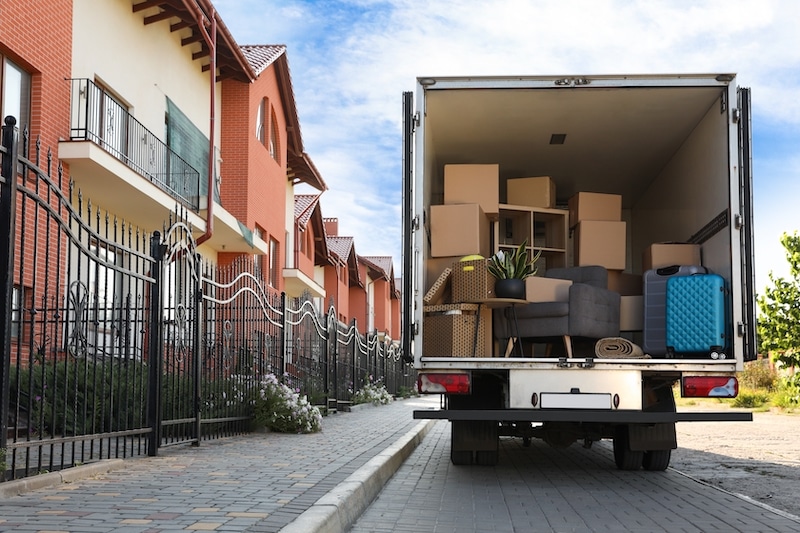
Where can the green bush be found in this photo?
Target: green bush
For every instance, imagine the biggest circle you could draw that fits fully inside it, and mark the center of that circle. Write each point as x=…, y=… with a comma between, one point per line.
x=758, y=375
x=751, y=398
x=787, y=396
x=282, y=409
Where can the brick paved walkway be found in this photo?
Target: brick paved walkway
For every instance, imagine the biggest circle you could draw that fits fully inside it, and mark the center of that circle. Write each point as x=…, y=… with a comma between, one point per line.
x=259, y=482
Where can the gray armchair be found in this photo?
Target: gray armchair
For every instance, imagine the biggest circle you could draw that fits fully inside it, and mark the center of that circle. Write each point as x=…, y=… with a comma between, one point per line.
x=592, y=310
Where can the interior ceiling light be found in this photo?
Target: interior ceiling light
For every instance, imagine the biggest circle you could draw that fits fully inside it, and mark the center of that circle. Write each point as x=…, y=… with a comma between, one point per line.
x=558, y=138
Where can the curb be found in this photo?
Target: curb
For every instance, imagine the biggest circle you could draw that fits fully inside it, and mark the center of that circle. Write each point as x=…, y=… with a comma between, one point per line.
x=337, y=510
x=16, y=487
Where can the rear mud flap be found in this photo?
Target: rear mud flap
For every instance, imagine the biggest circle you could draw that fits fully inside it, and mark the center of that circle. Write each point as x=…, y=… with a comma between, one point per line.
x=652, y=437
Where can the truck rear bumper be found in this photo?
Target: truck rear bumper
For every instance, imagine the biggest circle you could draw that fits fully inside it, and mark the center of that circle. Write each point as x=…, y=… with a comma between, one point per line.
x=582, y=415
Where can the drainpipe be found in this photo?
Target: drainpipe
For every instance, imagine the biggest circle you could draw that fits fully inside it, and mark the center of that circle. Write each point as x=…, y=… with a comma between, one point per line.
x=211, y=41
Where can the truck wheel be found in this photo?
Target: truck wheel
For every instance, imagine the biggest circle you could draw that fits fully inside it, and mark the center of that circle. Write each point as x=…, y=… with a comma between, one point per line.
x=624, y=457
x=656, y=460
x=460, y=458
x=486, y=458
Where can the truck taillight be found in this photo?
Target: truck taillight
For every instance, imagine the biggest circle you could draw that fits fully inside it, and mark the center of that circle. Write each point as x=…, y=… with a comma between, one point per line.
x=436, y=383
x=709, y=387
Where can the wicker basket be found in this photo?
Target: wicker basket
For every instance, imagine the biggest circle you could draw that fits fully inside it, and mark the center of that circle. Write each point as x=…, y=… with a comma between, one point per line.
x=449, y=331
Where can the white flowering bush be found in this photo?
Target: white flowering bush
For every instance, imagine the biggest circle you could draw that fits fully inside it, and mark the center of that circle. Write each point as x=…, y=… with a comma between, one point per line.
x=282, y=409
x=373, y=392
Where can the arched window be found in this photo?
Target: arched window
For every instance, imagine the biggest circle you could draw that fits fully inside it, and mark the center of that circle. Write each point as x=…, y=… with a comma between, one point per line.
x=274, y=140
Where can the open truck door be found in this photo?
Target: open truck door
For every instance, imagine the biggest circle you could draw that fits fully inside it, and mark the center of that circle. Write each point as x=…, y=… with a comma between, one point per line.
x=407, y=324
x=747, y=329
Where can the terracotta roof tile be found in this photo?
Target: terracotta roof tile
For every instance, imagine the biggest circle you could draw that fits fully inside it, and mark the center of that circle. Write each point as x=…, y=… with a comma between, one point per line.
x=304, y=205
x=260, y=56
x=341, y=246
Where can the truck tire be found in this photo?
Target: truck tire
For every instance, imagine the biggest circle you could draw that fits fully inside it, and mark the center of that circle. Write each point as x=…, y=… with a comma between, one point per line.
x=460, y=457
x=487, y=458
x=624, y=457
x=656, y=460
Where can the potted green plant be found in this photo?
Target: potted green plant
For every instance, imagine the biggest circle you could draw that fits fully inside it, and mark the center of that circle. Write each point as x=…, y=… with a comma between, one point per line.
x=510, y=268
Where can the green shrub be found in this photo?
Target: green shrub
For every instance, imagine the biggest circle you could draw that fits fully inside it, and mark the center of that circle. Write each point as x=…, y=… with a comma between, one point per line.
x=787, y=396
x=282, y=409
x=758, y=375
x=751, y=398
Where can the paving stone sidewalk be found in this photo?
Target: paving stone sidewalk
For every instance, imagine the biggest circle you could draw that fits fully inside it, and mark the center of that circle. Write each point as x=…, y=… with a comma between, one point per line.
x=258, y=482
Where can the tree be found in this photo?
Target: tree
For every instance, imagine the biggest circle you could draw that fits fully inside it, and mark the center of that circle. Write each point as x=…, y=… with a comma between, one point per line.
x=779, y=317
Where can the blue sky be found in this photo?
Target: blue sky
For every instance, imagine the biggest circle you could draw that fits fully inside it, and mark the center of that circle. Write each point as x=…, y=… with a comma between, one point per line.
x=351, y=61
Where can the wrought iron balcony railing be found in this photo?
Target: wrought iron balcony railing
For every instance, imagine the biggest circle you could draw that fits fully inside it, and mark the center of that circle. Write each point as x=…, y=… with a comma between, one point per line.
x=98, y=117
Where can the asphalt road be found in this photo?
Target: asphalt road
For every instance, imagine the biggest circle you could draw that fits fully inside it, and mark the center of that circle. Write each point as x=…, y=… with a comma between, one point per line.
x=541, y=489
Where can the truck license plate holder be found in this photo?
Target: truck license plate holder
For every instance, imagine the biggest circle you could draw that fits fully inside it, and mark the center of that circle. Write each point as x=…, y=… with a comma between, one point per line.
x=569, y=400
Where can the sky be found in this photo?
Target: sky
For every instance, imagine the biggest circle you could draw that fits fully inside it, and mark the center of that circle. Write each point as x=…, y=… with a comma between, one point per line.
x=351, y=60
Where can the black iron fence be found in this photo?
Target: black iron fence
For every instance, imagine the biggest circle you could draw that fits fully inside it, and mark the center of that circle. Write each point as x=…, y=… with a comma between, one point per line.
x=116, y=342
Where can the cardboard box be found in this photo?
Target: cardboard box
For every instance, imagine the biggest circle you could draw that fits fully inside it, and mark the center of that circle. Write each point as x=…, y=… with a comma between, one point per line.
x=664, y=254
x=459, y=230
x=594, y=206
x=473, y=184
x=449, y=331
x=631, y=313
x=471, y=282
x=533, y=192
x=539, y=289
x=600, y=242
x=439, y=292
x=625, y=284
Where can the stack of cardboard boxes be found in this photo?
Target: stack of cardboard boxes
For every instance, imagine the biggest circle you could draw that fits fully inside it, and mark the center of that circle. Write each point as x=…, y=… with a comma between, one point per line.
x=462, y=227
x=600, y=239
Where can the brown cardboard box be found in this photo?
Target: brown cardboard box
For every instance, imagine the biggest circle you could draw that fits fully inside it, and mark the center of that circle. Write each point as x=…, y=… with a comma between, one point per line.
x=631, y=313
x=664, y=254
x=533, y=192
x=624, y=283
x=594, y=206
x=449, y=331
x=600, y=242
x=439, y=292
x=459, y=230
x=473, y=184
x=539, y=289
x=471, y=282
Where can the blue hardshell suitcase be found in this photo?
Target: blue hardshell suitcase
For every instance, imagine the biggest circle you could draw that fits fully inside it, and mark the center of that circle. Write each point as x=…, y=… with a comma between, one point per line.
x=696, y=316
x=654, y=291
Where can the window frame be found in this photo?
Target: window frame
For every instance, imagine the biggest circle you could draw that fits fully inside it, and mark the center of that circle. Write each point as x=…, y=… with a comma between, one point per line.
x=23, y=100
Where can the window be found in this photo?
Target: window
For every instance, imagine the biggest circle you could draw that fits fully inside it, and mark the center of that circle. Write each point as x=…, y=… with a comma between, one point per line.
x=258, y=259
x=21, y=300
x=16, y=93
x=102, y=284
x=274, y=263
x=273, y=137
x=260, y=116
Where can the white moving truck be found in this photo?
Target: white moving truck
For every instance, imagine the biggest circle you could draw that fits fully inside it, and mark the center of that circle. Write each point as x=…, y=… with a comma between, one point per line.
x=674, y=149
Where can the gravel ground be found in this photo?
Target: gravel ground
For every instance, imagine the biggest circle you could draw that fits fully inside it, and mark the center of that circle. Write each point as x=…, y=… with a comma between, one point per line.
x=758, y=459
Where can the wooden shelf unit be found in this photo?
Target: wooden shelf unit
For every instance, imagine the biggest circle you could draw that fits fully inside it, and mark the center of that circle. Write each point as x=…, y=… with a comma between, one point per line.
x=544, y=229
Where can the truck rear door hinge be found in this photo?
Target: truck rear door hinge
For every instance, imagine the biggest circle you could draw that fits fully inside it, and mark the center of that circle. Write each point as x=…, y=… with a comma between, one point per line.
x=562, y=363
x=738, y=221
x=588, y=363
x=416, y=121
x=415, y=223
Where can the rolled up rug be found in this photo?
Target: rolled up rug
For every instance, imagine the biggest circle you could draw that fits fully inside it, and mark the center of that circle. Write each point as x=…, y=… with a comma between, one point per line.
x=618, y=348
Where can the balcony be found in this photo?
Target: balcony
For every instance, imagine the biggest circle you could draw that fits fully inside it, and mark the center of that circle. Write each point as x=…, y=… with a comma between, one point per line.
x=96, y=116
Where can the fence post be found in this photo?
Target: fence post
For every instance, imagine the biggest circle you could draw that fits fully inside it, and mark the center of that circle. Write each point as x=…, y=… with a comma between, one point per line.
x=197, y=353
x=8, y=194
x=284, y=338
x=155, y=348
x=356, y=359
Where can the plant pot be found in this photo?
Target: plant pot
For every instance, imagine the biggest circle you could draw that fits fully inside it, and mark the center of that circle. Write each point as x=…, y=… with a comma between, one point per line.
x=510, y=288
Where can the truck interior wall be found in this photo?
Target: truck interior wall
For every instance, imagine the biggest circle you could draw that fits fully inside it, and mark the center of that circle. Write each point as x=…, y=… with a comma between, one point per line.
x=684, y=196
